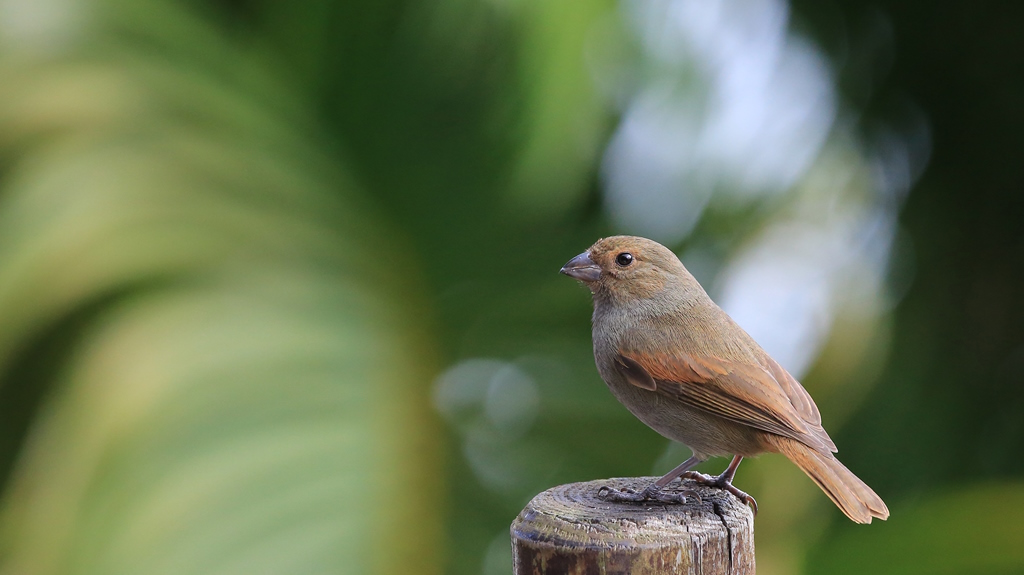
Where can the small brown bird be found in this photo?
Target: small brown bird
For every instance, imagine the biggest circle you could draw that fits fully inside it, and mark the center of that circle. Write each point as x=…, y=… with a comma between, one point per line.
x=686, y=369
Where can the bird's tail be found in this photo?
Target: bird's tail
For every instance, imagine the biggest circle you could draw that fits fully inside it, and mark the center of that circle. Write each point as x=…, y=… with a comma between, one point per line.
x=845, y=489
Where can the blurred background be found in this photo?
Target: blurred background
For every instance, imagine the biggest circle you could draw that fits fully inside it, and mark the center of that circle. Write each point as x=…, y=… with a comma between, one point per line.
x=279, y=289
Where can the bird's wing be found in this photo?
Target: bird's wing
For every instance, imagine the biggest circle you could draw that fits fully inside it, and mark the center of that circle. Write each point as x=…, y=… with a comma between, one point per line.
x=796, y=393
x=746, y=394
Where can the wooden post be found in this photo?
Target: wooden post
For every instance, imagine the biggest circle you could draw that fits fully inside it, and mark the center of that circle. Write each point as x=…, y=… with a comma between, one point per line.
x=568, y=530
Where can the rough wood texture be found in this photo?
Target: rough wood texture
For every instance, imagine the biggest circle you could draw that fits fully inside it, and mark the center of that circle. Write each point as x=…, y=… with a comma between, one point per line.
x=567, y=529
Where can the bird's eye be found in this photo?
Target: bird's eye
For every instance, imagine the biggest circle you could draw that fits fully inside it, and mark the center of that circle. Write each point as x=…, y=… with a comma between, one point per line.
x=624, y=259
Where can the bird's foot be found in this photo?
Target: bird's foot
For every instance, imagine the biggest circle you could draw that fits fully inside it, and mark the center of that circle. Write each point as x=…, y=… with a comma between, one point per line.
x=723, y=482
x=650, y=493
x=702, y=478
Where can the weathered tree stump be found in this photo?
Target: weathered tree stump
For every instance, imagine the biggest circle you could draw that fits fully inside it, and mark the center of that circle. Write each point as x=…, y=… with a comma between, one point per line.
x=567, y=529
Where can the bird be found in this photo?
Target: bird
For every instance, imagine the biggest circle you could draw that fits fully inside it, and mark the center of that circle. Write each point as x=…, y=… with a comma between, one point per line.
x=686, y=369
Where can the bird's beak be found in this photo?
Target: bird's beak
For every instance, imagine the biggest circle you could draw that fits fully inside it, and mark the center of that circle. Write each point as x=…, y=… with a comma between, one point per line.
x=582, y=268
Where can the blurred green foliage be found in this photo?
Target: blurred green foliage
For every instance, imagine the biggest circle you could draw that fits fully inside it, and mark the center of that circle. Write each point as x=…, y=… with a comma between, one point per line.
x=958, y=532
x=243, y=244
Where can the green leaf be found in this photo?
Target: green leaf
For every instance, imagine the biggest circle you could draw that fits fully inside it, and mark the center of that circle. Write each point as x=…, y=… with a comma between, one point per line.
x=250, y=395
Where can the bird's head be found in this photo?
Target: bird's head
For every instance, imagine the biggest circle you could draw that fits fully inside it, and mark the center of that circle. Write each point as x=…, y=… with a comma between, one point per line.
x=627, y=267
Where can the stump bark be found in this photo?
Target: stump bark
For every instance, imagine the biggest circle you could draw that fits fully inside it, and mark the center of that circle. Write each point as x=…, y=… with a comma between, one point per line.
x=568, y=530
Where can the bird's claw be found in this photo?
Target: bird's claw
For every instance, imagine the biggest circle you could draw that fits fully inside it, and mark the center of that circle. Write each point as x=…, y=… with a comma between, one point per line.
x=702, y=478
x=650, y=493
x=721, y=482
x=742, y=496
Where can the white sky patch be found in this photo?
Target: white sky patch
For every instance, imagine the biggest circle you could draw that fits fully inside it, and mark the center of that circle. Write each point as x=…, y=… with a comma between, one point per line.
x=735, y=104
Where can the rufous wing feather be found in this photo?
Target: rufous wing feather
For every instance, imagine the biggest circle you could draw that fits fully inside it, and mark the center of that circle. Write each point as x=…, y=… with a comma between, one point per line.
x=746, y=394
x=635, y=374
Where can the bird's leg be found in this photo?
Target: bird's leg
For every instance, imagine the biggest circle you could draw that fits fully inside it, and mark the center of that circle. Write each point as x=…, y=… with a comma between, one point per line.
x=654, y=491
x=724, y=481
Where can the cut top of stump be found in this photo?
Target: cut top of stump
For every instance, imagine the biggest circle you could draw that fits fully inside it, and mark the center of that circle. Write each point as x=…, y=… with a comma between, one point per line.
x=568, y=529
